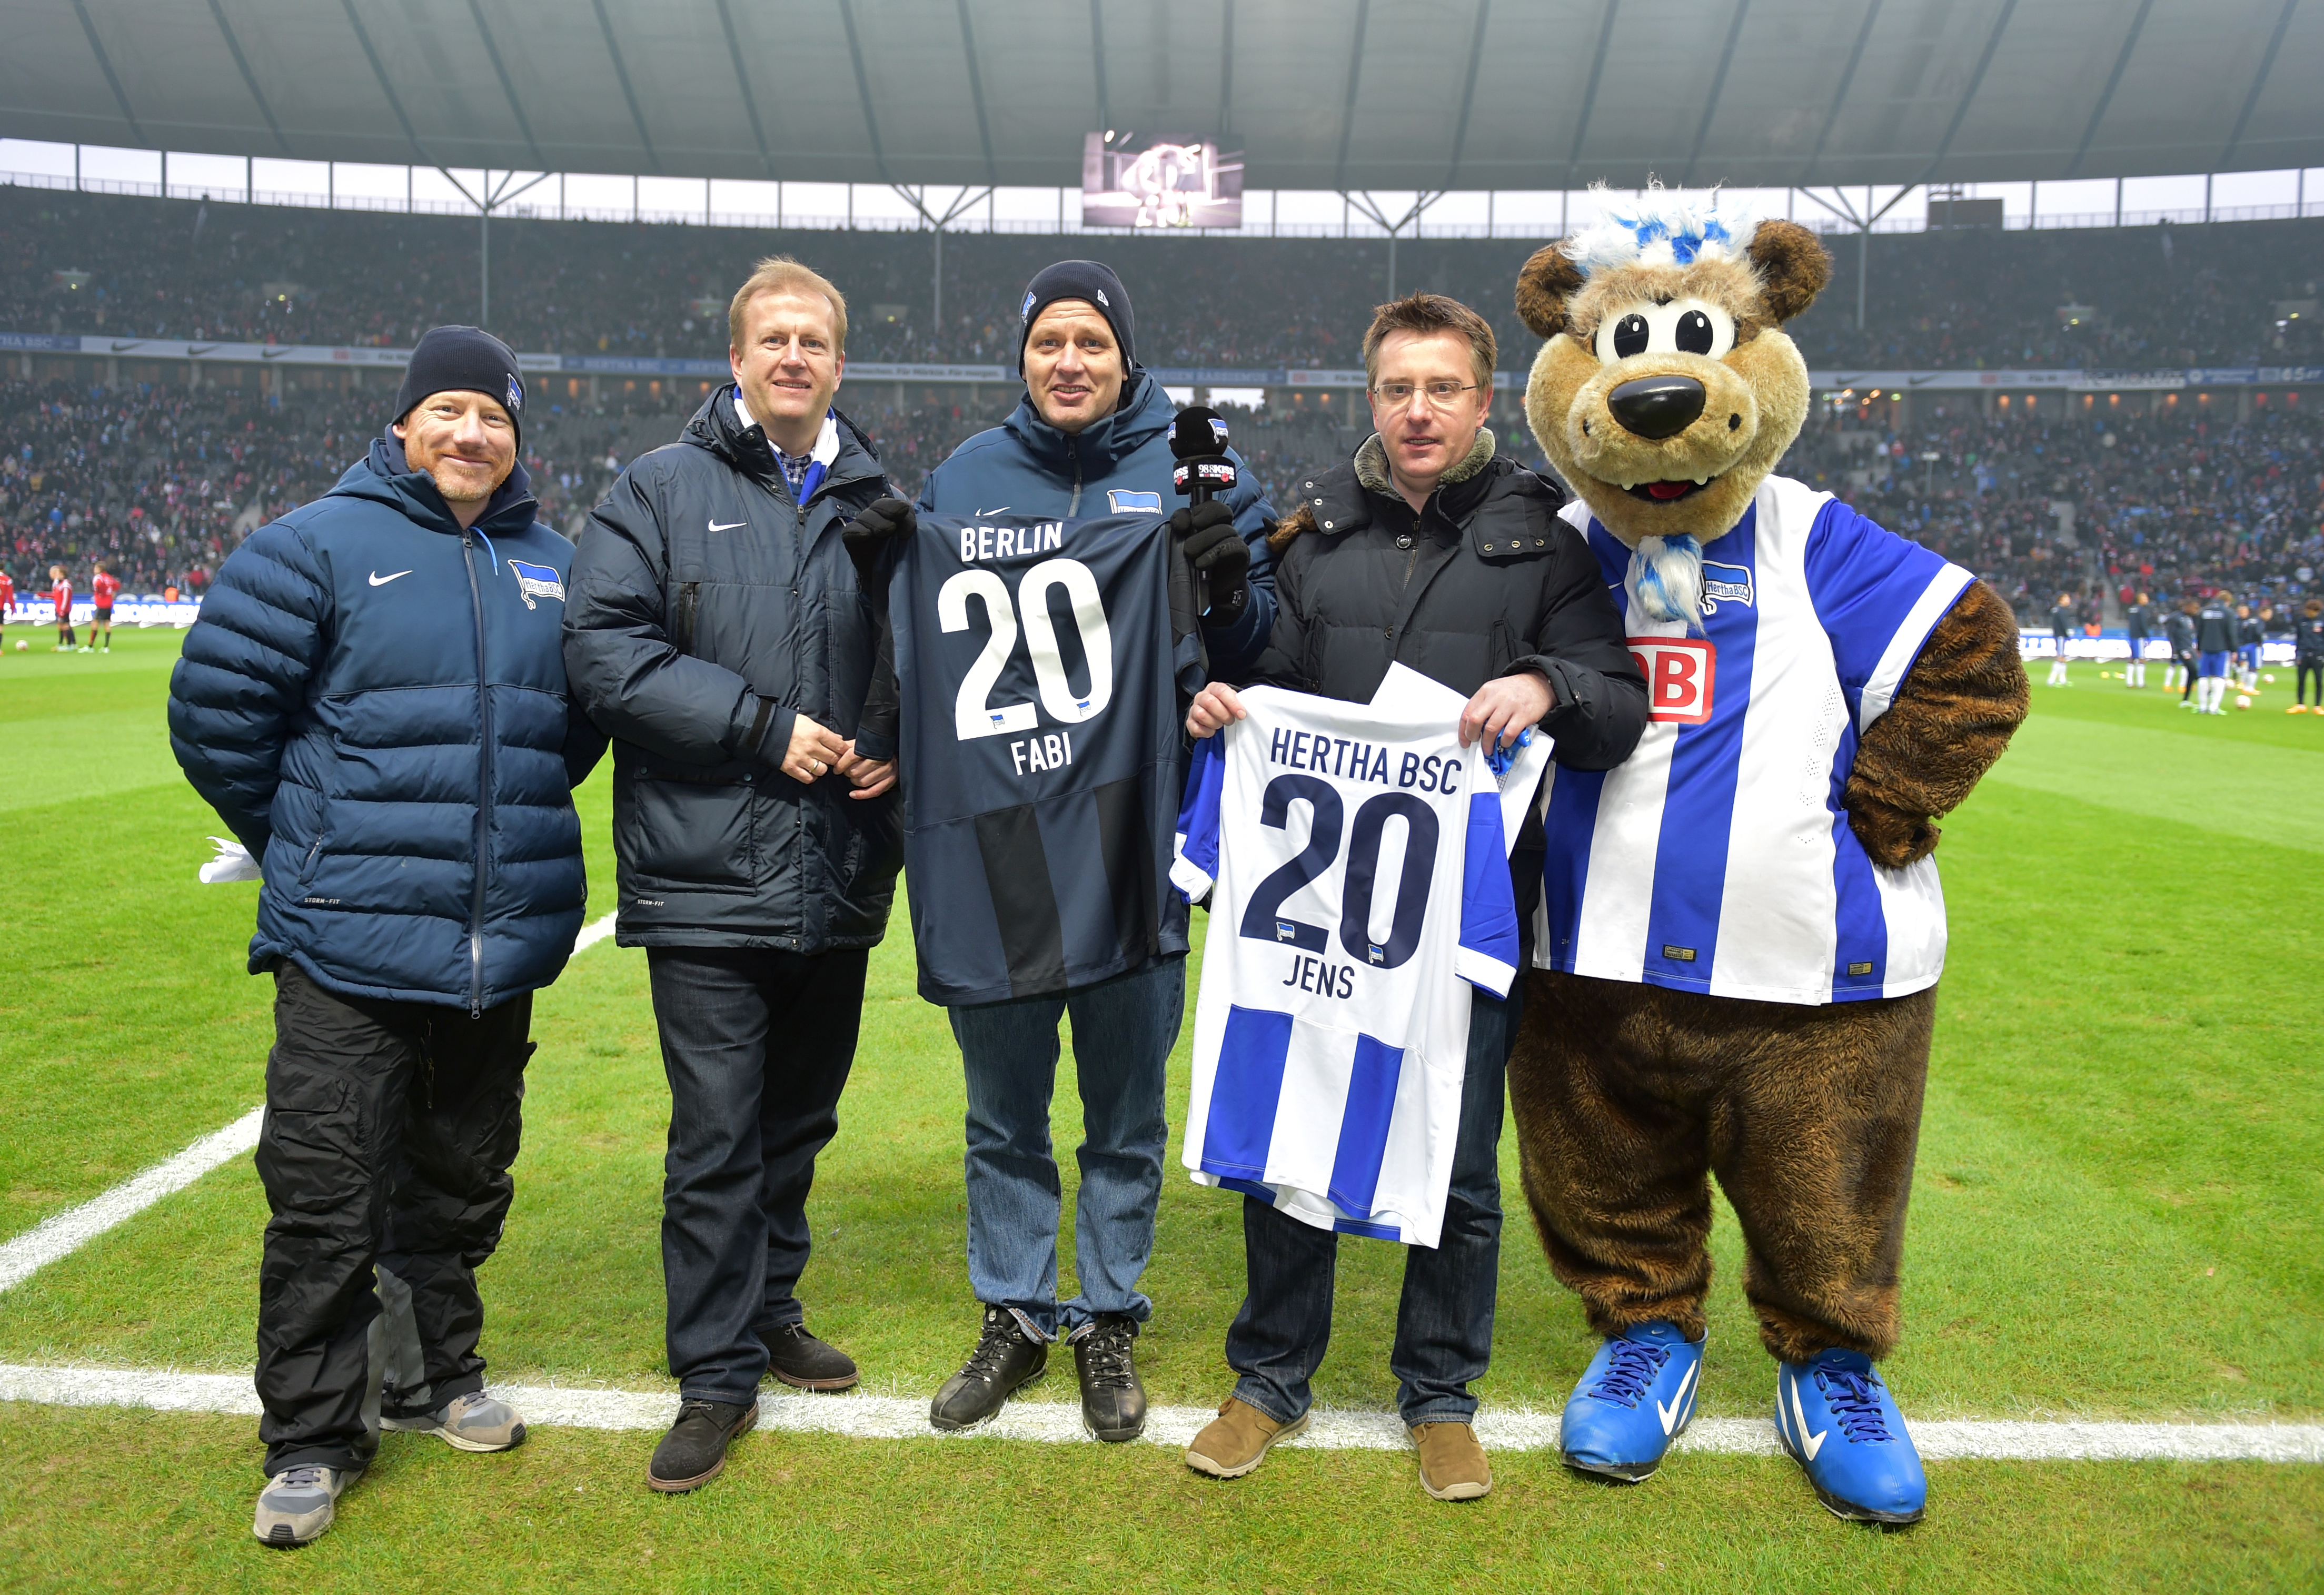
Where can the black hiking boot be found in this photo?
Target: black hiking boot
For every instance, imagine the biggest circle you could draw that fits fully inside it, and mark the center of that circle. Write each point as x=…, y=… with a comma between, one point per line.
x=1114, y=1401
x=1006, y=1359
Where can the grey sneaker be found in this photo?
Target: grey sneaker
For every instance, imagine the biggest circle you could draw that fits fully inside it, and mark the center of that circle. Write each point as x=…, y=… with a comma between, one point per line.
x=474, y=1422
x=295, y=1506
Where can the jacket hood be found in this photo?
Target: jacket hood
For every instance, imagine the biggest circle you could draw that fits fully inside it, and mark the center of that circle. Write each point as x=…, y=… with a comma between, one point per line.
x=716, y=428
x=384, y=476
x=1144, y=413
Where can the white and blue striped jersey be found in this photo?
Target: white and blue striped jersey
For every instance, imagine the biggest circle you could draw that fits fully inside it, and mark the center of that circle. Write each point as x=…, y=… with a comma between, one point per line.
x=1357, y=860
x=1718, y=857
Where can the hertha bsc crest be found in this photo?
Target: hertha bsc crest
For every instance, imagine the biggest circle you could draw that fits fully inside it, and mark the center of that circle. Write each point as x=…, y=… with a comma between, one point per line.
x=537, y=581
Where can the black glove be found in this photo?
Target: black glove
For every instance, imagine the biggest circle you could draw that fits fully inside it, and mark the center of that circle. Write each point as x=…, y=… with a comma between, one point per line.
x=1214, y=547
x=869, y=538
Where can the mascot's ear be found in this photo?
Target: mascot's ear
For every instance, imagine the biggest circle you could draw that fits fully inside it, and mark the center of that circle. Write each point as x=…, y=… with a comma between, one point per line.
x=1793, y=267
x=1545, y=287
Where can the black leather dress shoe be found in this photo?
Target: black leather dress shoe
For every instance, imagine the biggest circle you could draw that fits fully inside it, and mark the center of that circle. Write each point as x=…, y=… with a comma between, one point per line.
x=1006, y=1359
x=797, y=1358
x=694, y=1452
x=1114, y=1401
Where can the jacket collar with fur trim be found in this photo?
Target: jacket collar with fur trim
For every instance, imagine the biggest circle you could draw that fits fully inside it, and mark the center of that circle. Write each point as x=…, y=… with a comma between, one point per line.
x=1342, y=500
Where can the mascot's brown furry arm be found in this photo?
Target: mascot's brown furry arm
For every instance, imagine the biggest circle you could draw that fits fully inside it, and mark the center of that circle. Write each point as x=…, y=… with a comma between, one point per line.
x=1742, y=928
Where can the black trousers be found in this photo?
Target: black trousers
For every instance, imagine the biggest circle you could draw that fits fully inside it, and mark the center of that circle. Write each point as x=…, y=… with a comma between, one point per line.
x=757, y=1045
x=390, y=1129
x=2311, y=666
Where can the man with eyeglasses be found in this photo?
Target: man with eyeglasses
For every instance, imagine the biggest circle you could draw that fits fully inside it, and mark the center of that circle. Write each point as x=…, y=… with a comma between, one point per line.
x=1429, y=550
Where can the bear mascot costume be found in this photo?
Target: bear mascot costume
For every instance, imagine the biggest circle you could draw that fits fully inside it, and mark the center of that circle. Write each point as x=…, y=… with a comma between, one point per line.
x=1741, y=929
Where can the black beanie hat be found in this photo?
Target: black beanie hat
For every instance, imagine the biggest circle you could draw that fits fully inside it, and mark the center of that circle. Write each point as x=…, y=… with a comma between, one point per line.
x=464, y=359
x=1081, y=280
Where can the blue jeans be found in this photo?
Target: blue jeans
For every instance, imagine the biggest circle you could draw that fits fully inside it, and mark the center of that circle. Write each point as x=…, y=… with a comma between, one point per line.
x=1445, y=1323
x=757, y=1045
x=1124, y=1031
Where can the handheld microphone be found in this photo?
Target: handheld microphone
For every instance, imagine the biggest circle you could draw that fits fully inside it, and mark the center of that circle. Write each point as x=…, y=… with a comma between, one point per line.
x=1198, y=442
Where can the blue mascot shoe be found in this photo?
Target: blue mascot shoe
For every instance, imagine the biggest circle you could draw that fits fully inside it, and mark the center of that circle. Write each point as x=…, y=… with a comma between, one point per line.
x=1636, y=1397
x=1840, y=1423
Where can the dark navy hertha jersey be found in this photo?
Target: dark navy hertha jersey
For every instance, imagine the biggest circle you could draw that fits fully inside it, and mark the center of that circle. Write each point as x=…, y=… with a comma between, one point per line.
x=1043, y=762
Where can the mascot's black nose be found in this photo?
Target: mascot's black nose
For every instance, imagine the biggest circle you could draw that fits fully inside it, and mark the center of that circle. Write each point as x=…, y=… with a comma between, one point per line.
x=1656, y=406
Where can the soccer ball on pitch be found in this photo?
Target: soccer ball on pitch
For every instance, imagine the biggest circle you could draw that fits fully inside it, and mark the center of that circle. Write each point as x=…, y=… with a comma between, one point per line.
x=2269, y=678
x=2242, y=702
x=22, y=646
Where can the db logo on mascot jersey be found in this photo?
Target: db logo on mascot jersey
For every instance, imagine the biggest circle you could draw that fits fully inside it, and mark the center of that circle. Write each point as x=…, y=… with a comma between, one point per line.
x=1678, y=671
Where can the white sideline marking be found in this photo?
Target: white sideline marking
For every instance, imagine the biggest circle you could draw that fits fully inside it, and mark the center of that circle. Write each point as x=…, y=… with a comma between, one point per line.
x=896, y=1417
x=892, y=1417
x=62, y=1233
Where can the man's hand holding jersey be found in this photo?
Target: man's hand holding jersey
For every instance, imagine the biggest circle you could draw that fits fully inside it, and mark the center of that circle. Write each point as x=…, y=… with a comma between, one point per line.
x=874, y=539
x=1504, y=707
x=1206, y=535
x=1500, y=712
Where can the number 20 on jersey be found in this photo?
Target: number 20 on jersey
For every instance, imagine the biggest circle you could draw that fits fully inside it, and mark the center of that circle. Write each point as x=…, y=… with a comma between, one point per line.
x=975, y=715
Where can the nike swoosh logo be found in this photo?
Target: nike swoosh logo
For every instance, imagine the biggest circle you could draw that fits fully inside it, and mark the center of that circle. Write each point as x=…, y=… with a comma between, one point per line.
x=1669, y=1415
x=1003, y=509
x=378, y=580
x=727, y=525
x=1811, y=1443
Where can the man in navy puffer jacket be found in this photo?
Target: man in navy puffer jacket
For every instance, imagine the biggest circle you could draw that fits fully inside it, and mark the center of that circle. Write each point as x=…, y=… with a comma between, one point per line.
x=374, y=700
x=1091, y=438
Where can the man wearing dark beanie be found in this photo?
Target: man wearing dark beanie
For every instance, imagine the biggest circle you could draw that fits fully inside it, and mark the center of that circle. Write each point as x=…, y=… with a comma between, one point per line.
x=1094, y=284
x=1092, y=438
x=467, y=359
x=374, y=702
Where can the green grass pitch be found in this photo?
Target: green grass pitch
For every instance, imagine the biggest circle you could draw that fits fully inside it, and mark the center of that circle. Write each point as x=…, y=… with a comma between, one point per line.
x=2117, y=1215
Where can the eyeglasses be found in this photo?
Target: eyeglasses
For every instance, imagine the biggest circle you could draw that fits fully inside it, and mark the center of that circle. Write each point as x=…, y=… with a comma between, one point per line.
x=1440, y=394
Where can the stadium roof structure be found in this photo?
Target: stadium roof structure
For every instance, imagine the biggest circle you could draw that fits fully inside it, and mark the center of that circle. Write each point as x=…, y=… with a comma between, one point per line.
x=1321, y=94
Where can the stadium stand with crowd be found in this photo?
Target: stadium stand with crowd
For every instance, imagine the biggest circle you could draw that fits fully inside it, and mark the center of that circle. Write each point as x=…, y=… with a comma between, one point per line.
x=161, y=479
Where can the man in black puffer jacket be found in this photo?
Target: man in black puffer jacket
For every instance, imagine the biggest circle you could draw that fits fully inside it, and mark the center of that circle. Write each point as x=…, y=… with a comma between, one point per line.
x=1429, y=551
x=718, y=634
x=374, y=700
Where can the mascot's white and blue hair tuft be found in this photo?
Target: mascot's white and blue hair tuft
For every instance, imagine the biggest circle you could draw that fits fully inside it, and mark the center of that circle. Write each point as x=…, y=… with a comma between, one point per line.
x=1661, y=228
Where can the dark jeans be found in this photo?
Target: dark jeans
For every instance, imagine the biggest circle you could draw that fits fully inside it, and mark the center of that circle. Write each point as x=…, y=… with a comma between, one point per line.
x=390, y=1129
x=1124, y=1031
x=1445, y=1323
x=757, y=1045
x=2311, y=668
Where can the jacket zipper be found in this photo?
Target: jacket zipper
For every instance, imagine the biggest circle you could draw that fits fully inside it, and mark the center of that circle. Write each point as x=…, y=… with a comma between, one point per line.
x=1074, y=508
x=688, y=595
x=484, y=783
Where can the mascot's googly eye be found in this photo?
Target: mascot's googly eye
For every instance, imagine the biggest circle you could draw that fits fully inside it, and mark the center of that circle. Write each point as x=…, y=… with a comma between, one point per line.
x=1682, y=327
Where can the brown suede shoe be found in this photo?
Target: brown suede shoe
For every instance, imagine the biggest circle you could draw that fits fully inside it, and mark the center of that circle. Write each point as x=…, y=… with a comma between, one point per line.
x=1453, y=1465
x=1237, y=1440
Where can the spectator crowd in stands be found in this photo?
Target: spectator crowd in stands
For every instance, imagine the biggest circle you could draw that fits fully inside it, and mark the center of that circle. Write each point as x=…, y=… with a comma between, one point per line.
x=2101, y=298
x=161, y=481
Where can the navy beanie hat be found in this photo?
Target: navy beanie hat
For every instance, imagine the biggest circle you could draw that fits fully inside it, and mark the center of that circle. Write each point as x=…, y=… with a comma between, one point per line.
x=464, y=359
x=1081, y=280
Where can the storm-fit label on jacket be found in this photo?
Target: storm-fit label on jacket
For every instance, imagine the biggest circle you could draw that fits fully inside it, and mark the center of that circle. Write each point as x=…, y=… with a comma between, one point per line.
x=1042, y=756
